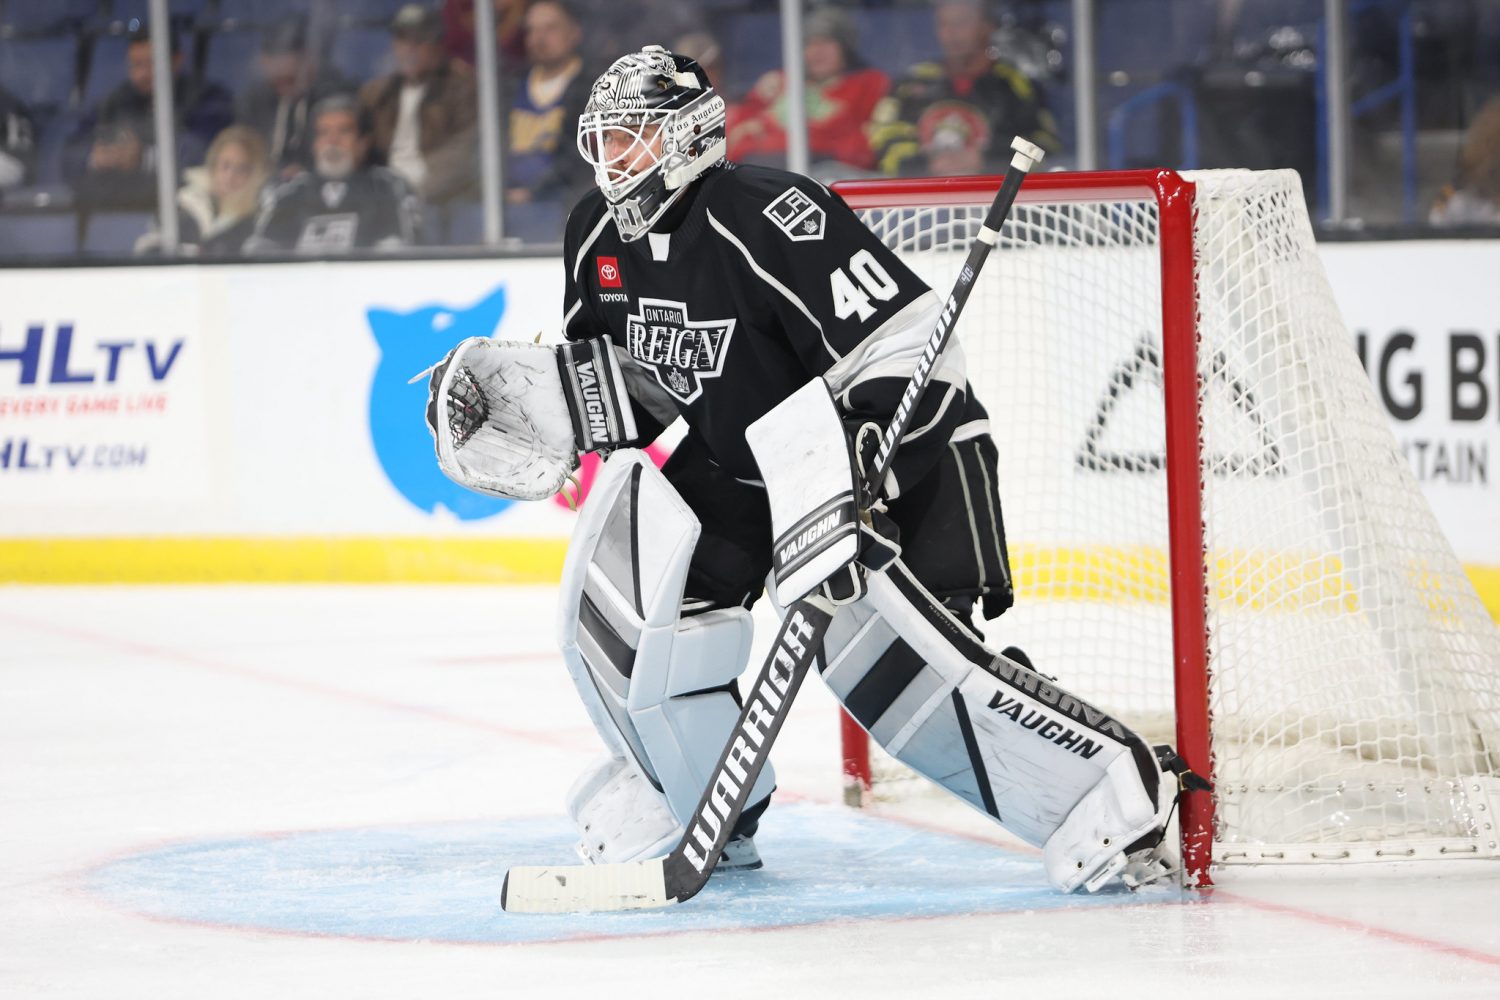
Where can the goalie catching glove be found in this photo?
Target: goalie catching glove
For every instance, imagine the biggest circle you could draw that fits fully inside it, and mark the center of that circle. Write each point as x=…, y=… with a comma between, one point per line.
x=510, y=419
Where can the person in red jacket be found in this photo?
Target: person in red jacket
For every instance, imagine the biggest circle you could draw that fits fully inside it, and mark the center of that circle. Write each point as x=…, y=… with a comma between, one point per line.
x=842, y=94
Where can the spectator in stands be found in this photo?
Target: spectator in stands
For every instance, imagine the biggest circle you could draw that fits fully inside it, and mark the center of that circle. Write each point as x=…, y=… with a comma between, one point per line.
x=343, y=203
x=217, y=202
x=958, y=115
x=17, y=141
x=1474, y=197
x=544, y=109
x=111, y=161
x=842, y=93
x=510, y=32
x=425, y=112
x=293, y=80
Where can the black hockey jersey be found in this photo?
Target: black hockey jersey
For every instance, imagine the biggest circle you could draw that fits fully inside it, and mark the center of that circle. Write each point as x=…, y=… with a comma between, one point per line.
x=371, y=208
x=766, y=280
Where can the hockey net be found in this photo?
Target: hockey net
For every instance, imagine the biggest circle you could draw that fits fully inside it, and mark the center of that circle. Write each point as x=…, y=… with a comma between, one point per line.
x=1213, y=532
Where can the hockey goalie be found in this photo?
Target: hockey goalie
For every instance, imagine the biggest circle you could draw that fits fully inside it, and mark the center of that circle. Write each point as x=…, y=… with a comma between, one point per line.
x=753, y=304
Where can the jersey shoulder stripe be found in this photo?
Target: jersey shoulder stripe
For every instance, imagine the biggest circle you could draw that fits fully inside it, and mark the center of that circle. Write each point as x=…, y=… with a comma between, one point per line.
x=584, y=220
x=586, y=223
x=588, y=241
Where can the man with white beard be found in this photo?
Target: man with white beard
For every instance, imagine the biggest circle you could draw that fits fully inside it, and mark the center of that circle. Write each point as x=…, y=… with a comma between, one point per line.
x=343, y=203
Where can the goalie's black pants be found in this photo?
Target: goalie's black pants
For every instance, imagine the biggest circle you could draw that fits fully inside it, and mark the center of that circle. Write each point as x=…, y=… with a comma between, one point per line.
x=952, y=534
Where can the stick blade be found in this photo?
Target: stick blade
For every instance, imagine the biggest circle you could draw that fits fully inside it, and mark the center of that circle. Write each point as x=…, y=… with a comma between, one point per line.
x=634, y=885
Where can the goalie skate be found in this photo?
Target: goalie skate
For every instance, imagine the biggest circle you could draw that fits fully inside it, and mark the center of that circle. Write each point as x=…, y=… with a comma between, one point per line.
x=1151, y=865
x=1153, y=857
x=740, y=855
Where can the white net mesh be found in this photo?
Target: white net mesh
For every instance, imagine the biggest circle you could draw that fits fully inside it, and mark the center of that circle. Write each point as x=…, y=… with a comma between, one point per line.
x=1354, y=674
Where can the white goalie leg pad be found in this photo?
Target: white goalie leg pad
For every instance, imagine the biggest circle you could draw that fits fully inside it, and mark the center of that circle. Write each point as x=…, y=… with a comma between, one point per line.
x=1006, y=740
x=680, y=702
x=656, y=685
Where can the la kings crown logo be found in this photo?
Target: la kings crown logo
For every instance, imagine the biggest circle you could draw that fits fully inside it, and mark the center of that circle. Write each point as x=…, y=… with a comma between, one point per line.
x=681, y=352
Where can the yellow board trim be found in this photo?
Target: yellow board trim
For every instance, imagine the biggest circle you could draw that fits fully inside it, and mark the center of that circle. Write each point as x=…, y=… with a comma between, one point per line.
x=282, y=560
x=1486, y=580
x=1098, y=573
x=1139, y=575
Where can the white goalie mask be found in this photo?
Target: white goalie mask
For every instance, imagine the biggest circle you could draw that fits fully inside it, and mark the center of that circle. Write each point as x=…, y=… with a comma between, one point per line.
x=652, y=126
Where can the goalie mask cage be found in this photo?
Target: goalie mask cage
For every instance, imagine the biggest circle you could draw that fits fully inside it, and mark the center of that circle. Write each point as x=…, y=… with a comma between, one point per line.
x=1213, y=532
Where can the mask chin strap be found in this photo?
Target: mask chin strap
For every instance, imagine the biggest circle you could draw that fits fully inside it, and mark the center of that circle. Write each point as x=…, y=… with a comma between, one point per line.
x=688, y=170
x=634, y=223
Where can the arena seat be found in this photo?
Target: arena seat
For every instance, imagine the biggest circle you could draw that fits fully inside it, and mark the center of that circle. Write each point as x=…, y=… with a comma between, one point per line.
x=39, y=70
x=893, y=39
x=363, y=53
x=533, y=222
x=28, y=17
x=466, y=224
x=53, y=131
x=34, y=234
x=259, y=11
x=230, y=57
x=115, y=233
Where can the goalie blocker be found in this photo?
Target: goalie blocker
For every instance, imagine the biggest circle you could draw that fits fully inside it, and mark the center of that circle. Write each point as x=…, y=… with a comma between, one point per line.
x=510, y=419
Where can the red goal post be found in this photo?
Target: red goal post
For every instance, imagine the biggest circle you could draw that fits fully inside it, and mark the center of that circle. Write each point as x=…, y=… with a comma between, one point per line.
x=1208, y=286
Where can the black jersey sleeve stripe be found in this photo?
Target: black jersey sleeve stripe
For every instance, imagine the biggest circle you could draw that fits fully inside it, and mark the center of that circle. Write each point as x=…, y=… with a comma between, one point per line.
x=968, y=494
x=997, y=533
x=575, y=289
x=771, y=280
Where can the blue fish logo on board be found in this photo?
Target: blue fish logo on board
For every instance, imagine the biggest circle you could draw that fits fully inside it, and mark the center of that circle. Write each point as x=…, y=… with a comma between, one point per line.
x=410, y=342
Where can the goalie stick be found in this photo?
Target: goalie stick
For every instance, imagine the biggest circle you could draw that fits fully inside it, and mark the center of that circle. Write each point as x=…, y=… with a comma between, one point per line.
x=679, y=875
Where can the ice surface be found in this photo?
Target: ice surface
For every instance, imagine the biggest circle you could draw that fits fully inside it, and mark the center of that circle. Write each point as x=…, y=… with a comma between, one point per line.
x=314, y=792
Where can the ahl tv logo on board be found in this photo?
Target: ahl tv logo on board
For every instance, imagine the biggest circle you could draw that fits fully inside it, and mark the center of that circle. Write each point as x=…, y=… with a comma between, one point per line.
x=410, y=342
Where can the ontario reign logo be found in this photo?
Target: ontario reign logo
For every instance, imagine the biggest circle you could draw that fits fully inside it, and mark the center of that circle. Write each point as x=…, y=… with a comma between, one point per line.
x=680, y=351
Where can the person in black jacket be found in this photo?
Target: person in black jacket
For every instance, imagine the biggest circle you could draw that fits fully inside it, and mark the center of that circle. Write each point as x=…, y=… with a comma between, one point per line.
x=343, y=203
x=110, y=162
x=956, y=114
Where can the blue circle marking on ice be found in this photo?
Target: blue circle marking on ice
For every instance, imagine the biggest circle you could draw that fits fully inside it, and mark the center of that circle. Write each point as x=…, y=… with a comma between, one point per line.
x=442, y=882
